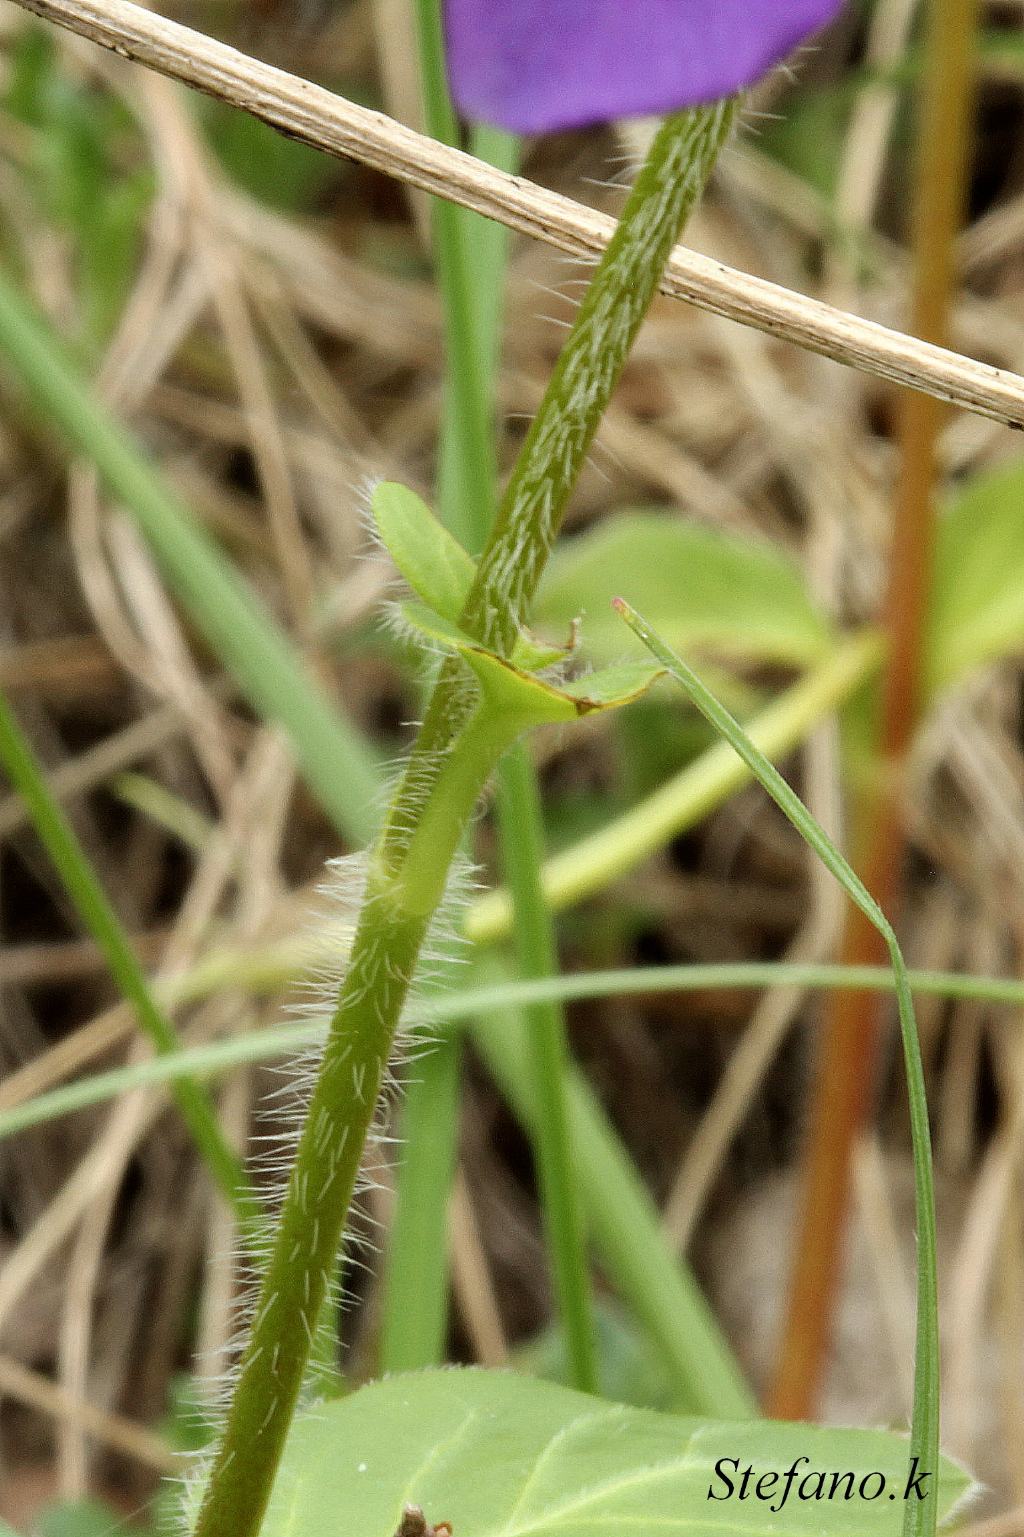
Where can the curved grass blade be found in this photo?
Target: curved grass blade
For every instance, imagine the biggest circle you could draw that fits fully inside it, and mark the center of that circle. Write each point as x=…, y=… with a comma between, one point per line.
x=336, y=763
x=456, y=1009
x=919, y=1516
x=94, y=909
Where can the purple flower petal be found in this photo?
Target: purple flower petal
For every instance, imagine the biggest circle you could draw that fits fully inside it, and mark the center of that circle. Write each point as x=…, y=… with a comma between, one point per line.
x=534, y=66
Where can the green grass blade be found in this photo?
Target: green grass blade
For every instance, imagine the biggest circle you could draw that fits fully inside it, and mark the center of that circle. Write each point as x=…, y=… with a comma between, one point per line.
x=470, y=273
x=919, y=1516
x=471, y=269
x=625, y=1227
x=415, y=1324
x=98, y=916
x=470, y=260
x=335, y=761
x=521, y=825
x=470, y=476
x=280, y=1040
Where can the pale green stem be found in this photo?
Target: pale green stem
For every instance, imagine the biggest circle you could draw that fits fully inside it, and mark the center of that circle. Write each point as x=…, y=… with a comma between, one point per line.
x=399, y=902
x=414, y=1327
x=521, y=834
x=468, y=498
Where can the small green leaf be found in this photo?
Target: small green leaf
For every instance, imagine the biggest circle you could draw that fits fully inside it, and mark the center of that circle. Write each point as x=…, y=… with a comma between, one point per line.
x=519, y=700
x=497, y=1455
x=521, y=694
x=977, y=600
x=532, y=654
x=737, y=597
x=516, y=695
x=433, y=563
x=613, y=686
x=439, y=571
x=433, y=626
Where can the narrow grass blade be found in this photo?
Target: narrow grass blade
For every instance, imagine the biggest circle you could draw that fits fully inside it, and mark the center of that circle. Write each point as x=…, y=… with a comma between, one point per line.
x=335, y=761
x=625, y=1228
x=471, y=256
x=457, y=1009
x=99, y=917
x=415, y=1324
x=471, y=275
x=521, y=827
x=919, y=1516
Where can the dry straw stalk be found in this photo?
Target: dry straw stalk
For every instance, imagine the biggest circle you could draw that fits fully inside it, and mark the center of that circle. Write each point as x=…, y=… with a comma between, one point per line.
x=318, y=117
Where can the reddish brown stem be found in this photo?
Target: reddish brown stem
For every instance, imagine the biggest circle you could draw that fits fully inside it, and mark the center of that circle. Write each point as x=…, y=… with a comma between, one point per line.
x=853, y=1026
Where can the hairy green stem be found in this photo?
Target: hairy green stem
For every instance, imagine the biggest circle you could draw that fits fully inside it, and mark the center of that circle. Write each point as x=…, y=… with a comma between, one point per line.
x=556, y=446
x=403, y=888
x=469, y=254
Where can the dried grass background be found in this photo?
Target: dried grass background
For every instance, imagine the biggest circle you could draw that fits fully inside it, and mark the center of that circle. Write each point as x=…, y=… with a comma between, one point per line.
x=272, y=364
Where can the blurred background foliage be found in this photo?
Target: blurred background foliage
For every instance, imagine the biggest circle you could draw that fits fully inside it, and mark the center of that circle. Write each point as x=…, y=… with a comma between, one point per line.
x=264, y=322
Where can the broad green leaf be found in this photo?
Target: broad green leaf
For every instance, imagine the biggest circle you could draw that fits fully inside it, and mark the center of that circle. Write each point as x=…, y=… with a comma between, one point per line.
x=977, y=603
x=498, y=1455
x=737, y=597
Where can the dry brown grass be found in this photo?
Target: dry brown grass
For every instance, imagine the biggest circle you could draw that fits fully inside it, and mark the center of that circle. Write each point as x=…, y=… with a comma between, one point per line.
x=272, y=364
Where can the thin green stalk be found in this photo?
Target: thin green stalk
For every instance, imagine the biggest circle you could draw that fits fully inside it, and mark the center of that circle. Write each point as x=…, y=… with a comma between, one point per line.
x=407, y=876
x=94, y=909
x=415, y=1324
x=625, y=1226
x=459, y=1008
x=482, y=255
x=335, y=761
x=469, y=429
x=470, y=277
x=919, y=1519
x=851, y=1044
x=522, y=831
x=469, y=254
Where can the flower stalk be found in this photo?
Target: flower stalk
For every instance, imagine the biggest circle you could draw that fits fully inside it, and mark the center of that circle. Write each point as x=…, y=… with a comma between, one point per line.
x=464, y=731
